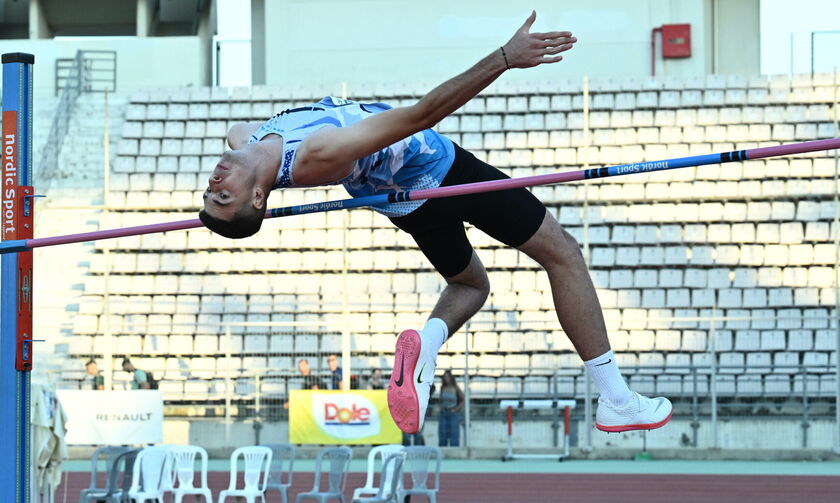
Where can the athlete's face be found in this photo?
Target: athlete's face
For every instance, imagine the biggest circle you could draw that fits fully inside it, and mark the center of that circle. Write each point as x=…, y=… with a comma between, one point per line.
x=230, y=186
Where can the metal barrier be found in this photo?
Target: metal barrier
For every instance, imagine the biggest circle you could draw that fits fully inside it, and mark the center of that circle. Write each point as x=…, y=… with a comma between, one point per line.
x=88, y=71
x=509, y=405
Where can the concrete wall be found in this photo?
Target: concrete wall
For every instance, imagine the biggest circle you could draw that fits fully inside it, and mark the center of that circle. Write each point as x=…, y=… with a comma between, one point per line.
x=141, y=62
x=736, y=26
x=366, y=41
x=742, y=435
x=258, y=42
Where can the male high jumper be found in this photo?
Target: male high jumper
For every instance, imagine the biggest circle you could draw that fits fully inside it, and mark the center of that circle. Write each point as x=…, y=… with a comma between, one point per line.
x=373, y=148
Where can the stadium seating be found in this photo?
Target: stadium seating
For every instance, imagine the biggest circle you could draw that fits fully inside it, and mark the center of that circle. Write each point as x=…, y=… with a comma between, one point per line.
x=750, y=242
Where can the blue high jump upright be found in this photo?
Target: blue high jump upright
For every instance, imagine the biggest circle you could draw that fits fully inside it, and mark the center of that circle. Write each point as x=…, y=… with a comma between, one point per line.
x=16, y=279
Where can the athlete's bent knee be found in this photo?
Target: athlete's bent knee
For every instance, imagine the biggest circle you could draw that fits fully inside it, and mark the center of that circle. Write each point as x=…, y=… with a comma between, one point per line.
x=563, y=250
x=474, y=278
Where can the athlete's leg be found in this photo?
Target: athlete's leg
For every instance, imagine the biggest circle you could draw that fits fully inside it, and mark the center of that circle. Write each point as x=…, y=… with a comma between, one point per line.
x=579, y=313
x=463, y=295
x=518, y=219
x=444, y=242
x=416, y=351
x=575, y=301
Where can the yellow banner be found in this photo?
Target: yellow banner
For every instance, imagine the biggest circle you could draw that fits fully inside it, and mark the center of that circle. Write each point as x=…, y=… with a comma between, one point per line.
x=341, y=417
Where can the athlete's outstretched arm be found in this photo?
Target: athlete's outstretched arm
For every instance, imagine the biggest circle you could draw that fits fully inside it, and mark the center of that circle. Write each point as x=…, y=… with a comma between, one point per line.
x=523, y=50
x=328, y=154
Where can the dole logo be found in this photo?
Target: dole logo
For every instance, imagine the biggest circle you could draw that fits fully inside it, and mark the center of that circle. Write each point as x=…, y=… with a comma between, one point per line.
x=346, y=416
x=336, y=414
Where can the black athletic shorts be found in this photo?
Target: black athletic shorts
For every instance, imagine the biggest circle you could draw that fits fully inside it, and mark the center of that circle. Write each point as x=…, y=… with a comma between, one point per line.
x=510, y=216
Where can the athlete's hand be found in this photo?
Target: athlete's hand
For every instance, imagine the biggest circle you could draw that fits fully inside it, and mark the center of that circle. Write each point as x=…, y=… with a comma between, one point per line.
x=525, y=50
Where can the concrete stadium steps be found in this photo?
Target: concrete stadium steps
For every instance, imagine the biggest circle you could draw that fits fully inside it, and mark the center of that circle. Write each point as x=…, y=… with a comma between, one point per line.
x=82, y=156
x=751, y=239
x=60, y=272
x=73, y=204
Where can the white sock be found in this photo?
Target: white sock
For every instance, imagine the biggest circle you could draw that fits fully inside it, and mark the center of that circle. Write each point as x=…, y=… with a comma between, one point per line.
x=605, y=373
x=435, y=333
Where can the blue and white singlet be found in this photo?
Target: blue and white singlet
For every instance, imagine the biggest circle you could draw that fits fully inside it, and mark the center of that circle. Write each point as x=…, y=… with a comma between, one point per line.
x=420, y=161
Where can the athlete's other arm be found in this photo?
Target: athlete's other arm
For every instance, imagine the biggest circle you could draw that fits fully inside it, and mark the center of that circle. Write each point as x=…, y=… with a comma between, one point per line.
x=239, y=133
x=328, y=154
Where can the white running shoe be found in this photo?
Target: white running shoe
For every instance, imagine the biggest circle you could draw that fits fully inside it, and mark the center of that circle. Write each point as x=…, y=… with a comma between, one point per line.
x=640, y=413
x=411, y=381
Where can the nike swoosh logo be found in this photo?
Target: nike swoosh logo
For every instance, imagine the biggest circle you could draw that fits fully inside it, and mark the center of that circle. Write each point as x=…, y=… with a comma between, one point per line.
x=420, y=381
x=399, y=382
x=606, y=362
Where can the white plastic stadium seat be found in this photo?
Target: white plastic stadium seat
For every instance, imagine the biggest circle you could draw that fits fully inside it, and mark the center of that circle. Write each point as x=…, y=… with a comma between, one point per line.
x=257, y=463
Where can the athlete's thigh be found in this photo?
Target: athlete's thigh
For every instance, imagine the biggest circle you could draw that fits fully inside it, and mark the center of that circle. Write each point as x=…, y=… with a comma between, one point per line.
x=446, y=246
x=510, y=216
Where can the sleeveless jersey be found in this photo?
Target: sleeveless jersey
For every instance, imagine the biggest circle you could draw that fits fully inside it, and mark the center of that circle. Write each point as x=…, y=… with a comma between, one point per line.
x=420, y=161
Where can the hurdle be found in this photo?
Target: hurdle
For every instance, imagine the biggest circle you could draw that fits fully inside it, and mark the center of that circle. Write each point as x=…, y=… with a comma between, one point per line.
x=510, y=405
x=24, y=244
x=16, y=278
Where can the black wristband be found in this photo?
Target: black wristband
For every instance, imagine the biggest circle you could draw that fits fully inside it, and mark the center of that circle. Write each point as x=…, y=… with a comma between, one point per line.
x=502, y=48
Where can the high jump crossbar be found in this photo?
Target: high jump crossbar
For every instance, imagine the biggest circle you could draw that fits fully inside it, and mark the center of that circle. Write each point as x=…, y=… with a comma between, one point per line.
x=450, y=191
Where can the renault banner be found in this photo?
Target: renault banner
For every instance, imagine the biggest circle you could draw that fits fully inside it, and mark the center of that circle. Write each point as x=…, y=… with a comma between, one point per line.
x=112, y=417
x=341, y=417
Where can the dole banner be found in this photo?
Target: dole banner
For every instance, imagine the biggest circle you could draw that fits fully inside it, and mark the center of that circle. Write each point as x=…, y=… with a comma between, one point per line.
x=112, y=417
x=341, y=417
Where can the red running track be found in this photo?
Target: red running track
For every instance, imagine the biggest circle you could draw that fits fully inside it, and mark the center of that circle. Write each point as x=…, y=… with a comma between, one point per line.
x=578, y=488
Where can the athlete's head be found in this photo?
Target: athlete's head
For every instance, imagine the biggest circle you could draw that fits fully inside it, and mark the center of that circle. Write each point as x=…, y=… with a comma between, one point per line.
x=234, y=203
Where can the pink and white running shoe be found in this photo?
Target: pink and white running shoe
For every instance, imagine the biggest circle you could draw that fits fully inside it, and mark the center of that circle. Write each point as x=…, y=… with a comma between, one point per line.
x=640, y=413
x=411, y=381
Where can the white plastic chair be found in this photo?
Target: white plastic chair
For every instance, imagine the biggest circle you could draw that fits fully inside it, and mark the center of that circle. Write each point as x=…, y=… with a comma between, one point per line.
x=257, y=461
x=183, y=472
x=380, y=451
x=418, y=460
x=118, y=481
x=339, y=460
x=282, y=466
x=389, y=481
x=151, y=476
x=109, y=455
